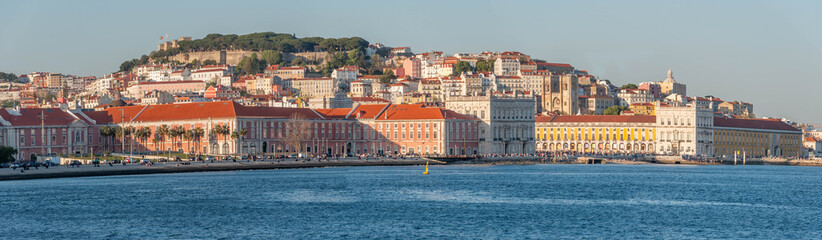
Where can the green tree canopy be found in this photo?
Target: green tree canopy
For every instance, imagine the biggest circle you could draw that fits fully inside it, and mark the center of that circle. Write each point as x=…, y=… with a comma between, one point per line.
x=629, y=86
x=251, y=65
x=388, y=76
x=8, y=76
x=461, y=67
x=7, y=154
x=614, y=110
x=485, y=66
x=271, y=57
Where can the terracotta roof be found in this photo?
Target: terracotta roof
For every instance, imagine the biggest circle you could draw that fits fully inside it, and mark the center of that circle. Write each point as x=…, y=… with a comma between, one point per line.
x=419, y=111
x=336, y=113
x=174, y=82
x=204, y=110
x=368, y=99
x=768, y=124
x=596, y=118
x=31, y=117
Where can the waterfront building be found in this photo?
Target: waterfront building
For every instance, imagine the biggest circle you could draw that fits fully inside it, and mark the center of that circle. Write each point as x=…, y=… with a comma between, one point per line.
x=756, y=137
x=507, y=120
x=684, y=130
x=43, y=131
x=391, y=129
x=596, y=134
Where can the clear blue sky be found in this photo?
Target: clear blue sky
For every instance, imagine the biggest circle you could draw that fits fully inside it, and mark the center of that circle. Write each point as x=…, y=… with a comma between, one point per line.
x=764, y=52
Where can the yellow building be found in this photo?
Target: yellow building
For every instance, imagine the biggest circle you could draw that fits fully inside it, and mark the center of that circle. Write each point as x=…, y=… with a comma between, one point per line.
x=643, y=108
x=596, y=134
x=756, y=138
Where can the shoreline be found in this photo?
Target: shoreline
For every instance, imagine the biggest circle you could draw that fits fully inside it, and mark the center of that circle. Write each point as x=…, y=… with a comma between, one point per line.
x=172, y=167
x=175, y=167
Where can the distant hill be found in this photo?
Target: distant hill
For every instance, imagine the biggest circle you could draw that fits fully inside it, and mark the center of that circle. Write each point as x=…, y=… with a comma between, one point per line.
x=254, y=42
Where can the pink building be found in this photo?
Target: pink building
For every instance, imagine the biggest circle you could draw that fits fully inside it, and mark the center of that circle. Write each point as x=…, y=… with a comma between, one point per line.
x=654, y=88
x=412, y=67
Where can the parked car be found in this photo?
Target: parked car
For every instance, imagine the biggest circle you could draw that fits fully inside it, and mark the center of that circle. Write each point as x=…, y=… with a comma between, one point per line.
x=211, y=158
x=5, y=165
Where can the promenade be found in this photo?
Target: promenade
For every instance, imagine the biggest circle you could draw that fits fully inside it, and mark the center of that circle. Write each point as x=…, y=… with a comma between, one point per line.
x=207, y=166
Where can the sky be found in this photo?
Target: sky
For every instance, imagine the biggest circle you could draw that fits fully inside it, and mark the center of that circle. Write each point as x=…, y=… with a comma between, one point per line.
x=764, y=52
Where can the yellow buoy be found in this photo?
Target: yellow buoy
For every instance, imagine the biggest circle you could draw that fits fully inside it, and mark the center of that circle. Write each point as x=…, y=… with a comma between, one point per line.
x=426, y=169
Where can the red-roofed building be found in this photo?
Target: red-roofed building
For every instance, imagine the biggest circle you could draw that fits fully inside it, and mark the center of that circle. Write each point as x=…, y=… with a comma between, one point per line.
x=44, y=131
x=391, y=129
x=756, y=137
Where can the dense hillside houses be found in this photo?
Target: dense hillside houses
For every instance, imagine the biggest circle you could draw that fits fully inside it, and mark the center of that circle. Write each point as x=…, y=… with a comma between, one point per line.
x=487, y=103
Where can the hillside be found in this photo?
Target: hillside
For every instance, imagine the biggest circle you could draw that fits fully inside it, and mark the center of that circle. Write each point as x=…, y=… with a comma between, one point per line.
x=254, y=42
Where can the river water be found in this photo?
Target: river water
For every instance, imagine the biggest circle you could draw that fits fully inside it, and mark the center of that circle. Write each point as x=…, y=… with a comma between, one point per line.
x=453, y=202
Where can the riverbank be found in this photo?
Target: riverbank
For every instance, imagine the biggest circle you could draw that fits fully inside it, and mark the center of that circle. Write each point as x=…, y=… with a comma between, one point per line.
x=176, y=167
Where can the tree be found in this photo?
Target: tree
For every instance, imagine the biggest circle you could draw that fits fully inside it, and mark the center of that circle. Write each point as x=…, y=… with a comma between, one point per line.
x=485, y=65
x=188, y=135
x=250, y=65
x=10, y=103
x=613, y=110
x=161, y=134
x=388, y=76
x=143, y=133
x=297, y=127
x=195, y=63
x=629, y=86
x=242, y=133
x=197, y=133
x=235, y=136
x=461, y=67
x=7, y=154
x=385, y=52
x=8, y=76
x=209, y=62
x=297, y=61
x=105, y=131
x=129, y=131
x=271, y=57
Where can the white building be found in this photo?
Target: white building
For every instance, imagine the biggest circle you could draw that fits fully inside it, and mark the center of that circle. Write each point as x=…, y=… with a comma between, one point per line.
x=684, y=130
x=631, y=96
x=507, y=121
x=345, y=74
x=506, y=66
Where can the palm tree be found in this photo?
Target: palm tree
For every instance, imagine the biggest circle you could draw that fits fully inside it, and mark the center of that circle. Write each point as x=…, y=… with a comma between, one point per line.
x=188, y=135
x=129, y=131
x=118, y=131
x=143, y=133
x=161, y=134
x=197, y=133
x=216, y=131
x=243, y=132
x=178, y=131
x=234, y=136
x=105, y=131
